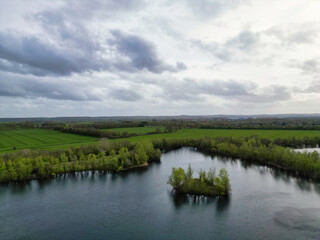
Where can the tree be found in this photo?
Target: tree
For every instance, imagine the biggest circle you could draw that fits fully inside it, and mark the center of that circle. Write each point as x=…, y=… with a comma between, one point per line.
x=104, y=144
x=124, y=156
x=189, y=173
x=12, y=171
x=211, y=175
x=219, y=185
x=202, y=175
x=3, y=171
x=223, y=174
x=177, y=177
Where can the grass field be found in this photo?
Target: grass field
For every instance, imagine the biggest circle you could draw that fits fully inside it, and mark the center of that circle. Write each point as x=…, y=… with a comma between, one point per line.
x=50, y=139
x=39, y=139
x=199, y=133
x=138, y=130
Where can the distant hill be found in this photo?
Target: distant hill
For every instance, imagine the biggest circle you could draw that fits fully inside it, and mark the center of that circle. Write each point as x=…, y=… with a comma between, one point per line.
x=180, y=117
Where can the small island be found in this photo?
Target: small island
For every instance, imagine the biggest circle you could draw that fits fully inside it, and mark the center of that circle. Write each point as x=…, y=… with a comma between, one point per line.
x=208, y=183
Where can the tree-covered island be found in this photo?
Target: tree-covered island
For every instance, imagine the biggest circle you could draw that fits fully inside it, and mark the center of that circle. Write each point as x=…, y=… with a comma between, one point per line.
x=208, y=183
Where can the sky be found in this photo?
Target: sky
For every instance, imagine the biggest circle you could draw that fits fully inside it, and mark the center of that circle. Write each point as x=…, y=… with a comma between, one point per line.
x=143, y=57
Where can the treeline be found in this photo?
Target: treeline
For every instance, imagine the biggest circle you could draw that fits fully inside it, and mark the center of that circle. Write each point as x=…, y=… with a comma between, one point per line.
x=242, y=123
x=208, y=183
x=105, y=156
x=95, y=125
x=98, y=129
x=268, y=124
x=19, y=125
x=174, y=124
x=251, y=149
x=291, y=142
x=95, y=133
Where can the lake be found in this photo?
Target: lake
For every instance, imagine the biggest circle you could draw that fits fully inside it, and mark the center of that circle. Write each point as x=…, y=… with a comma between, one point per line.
x=308, y=150
x=264, y=204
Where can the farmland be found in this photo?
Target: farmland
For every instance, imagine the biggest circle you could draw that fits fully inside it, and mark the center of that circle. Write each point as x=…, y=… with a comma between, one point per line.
x=200, y=133
x=51, y=139
x=39, y=139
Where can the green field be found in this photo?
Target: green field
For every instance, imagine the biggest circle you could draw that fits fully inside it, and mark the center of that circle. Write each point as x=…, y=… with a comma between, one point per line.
x=50, y=139
x=199, y=133
x=138, y=130
x=39, y=139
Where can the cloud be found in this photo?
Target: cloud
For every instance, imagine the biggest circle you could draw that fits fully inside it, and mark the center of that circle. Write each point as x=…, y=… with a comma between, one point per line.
x=84, y=10
x=140, y=53
x=191, y=90
x=66, y=46
x=309, y=66
x=305, y=33
x=246, y=91
x=212, y=8
x=244, y=42
x=312, y=87
x=125, y=95
x=248, y=43
x=13, y=85
x=29, y=54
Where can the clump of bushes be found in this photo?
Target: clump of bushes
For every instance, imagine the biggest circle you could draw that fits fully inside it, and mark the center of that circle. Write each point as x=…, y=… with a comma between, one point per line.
x=208, y=183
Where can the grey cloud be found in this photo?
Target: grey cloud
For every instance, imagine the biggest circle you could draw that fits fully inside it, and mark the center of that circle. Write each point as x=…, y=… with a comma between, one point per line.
x=141, y=53
x=67, y=47
x=67, y=31
x=213, y=48
x=212, y=8
x=181, y=66
x=313, y=87
x=14, y=67
x=33, y=87
x=125, y=95
x=227, y=88
x=310, y=66
x=244, y=42
x=75, y=9
x=231, y=90
x=271, y=94
x=247, y=91
x=23, y=53
x=247, y=41
x=30, y=55
x=295, y=34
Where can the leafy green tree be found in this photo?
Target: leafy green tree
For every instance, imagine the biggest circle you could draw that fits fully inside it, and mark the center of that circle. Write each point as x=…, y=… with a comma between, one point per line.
x=189, y=173
x=12, y=171
x=202, y=175
x=104, y=144
x=124, y=157
x=219, y=185
x=3, y=171
x=177, y=177
x=223, y=174
x=211, y=175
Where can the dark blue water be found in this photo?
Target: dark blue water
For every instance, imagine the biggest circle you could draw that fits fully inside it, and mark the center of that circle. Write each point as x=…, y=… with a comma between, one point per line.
x=264, y=204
